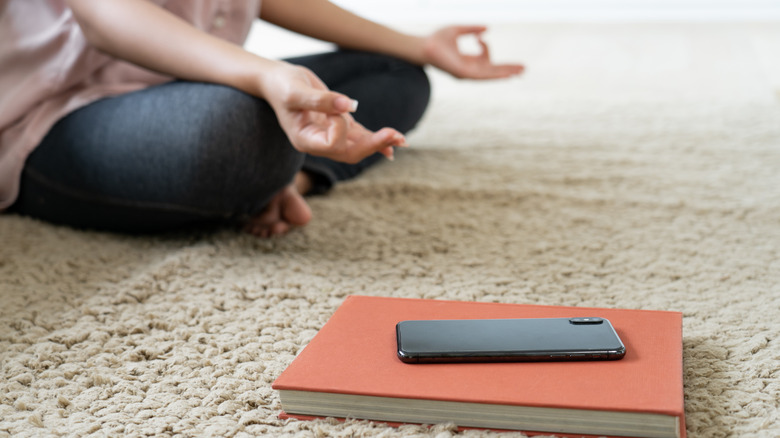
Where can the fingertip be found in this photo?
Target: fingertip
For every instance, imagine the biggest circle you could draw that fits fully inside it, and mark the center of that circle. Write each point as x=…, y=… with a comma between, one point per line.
x=468, y=29
x=475, y=28
x=390, y=135
x=345, y=104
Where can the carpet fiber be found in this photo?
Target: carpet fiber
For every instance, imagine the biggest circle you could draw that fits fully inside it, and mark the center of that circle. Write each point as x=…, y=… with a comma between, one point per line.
x=631, y=167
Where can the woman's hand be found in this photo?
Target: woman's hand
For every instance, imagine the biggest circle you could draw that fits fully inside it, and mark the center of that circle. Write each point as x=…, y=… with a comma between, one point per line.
x=441, y=50
x=318, y=121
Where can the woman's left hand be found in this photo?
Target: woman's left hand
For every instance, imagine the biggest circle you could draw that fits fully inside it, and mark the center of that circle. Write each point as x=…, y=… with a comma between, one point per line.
x=441, y=50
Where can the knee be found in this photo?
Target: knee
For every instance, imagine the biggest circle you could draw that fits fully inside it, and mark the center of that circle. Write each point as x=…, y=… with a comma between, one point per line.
x=419, y=81
x=253, y=172
x=420, y=87
x=406, y=93
x=243, y=152
x=256, y=167
x=415, y=91
x=412, y=80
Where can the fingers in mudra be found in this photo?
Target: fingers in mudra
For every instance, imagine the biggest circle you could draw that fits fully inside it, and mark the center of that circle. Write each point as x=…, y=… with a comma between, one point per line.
x=318, y=121
x=341, y=138
x=441, y=49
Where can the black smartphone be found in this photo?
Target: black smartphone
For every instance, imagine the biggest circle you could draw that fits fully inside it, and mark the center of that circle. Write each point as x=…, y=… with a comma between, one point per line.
x=508, y=340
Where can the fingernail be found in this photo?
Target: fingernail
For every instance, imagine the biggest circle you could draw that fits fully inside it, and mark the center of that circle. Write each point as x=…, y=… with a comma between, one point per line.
x=344, y=103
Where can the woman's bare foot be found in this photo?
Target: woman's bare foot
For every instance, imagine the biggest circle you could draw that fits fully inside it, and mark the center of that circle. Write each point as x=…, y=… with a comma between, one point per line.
x=286, y=210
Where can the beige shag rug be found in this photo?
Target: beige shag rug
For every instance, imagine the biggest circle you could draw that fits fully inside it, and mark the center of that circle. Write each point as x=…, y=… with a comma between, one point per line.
x=634, y=166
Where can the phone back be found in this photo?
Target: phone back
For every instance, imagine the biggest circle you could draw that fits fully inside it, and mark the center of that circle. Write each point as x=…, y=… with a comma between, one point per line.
x=502, y=340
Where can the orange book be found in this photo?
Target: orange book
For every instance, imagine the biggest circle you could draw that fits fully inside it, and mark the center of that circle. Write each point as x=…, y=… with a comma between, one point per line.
x=350, y=370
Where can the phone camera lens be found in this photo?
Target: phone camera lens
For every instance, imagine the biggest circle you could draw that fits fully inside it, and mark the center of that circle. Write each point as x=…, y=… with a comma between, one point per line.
x=586, y=320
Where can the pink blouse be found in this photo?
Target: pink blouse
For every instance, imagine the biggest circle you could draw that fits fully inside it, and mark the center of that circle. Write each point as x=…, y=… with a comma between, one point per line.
x=48, y=69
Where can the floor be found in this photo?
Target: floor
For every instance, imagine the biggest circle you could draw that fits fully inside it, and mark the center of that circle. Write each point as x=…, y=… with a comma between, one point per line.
x=633, y=166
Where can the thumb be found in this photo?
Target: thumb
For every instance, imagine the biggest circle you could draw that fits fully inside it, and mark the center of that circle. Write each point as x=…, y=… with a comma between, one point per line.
x=325, y=102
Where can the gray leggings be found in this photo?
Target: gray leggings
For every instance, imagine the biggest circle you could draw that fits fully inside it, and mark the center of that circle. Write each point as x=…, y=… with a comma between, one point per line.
x=186, y=154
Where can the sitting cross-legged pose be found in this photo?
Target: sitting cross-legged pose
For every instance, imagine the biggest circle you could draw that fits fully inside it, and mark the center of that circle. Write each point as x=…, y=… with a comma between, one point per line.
x=148, y=115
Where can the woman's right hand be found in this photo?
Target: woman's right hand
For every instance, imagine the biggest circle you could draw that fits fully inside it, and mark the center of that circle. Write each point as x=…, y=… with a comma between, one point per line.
x=318, y=121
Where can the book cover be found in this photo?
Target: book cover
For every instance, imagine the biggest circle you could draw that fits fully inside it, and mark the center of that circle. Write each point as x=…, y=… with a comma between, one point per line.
x=350, y=369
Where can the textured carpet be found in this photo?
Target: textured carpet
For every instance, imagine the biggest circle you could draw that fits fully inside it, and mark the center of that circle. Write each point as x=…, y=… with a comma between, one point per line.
x=632, y=167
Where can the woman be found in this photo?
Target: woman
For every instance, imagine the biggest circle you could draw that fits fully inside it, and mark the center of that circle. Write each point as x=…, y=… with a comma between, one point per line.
x=139, y=115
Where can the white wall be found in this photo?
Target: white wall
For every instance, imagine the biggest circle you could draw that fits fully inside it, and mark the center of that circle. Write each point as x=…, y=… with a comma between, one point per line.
x=409, y=15
x=564, y=10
